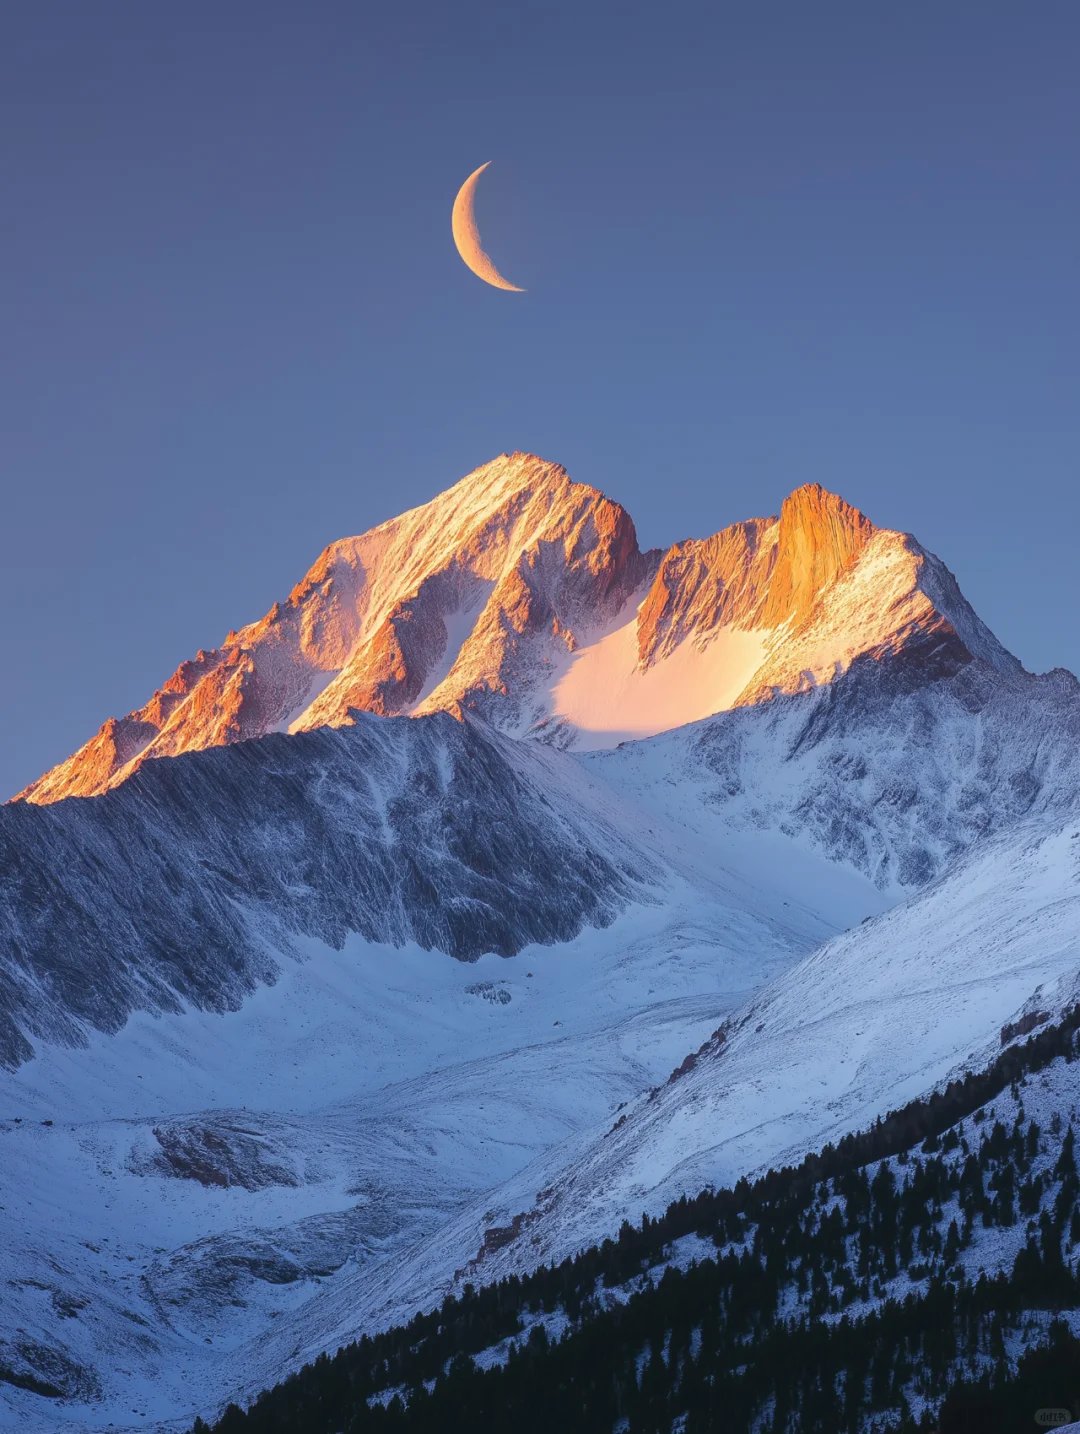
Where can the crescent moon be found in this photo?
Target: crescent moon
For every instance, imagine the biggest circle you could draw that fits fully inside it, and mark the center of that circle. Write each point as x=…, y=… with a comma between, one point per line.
x=467, y=237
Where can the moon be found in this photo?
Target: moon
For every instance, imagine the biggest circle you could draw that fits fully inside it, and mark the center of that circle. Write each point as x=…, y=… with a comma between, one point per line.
x=467, y=236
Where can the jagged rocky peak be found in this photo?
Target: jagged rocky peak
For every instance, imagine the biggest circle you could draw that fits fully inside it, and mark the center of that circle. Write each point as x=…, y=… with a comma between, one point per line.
x=767, y=607
x=504, y=571
x=818, y=538
x=763, y=573
x=514, y=553
x=522, y=596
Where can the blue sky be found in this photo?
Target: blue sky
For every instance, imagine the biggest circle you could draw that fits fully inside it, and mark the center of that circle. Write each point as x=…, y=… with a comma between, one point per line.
x=764, y=244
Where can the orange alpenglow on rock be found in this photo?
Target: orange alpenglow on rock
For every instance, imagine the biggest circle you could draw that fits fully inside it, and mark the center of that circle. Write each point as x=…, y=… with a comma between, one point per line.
x=522, y=598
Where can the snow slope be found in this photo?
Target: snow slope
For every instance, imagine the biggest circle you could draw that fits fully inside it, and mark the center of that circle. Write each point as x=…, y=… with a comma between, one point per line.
x=294, y=1087
x=388, y=1106
x=178, y=887
x=877, y=1016
x=209, y=1175
x=896, y=769
x=609, y=698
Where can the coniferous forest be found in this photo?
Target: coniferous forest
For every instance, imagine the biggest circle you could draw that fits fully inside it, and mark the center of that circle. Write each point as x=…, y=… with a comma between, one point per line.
x=920, y=1275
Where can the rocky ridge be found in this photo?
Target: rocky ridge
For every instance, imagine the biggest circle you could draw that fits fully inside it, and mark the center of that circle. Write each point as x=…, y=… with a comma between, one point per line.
x=485, y=599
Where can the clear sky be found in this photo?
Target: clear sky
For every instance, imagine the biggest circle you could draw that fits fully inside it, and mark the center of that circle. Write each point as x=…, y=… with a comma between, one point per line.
x=763, y=243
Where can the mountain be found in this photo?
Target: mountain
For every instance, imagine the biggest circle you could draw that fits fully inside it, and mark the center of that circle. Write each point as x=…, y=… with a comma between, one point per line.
x=490, y=579
x=523, y=597
x=400, y=930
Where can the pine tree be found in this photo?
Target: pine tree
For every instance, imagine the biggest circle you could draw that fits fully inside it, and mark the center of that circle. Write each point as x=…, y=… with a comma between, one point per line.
x=1066, y=1164
x=1031, y=1144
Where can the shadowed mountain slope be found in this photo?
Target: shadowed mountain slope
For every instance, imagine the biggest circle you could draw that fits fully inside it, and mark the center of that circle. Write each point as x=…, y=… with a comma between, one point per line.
x=180, y=885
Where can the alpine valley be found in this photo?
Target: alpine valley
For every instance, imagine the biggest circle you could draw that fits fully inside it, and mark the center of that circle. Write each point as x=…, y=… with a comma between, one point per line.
x=502, y=884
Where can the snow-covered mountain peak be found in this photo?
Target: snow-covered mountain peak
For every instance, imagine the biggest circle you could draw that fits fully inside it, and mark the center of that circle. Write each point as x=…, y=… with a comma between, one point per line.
x=522, y=596
x=516, y=551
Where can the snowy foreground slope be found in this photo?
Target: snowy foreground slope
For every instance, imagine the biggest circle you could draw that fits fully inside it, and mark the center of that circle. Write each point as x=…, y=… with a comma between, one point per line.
x=217, y=1154
x=872, y=1019
x=297, y=1031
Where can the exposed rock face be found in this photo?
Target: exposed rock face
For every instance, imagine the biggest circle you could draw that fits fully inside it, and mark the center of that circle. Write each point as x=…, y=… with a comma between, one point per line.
x=484, y=599
x=768, y=573
x=221, y=1153
x=821, y=584
x=705, y=584
x=819, y=538
x=764, y=573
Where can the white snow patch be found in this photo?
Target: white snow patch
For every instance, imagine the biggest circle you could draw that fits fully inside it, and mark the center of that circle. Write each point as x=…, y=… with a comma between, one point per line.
x=320, y=681
x=610, y=699
x=459, y=626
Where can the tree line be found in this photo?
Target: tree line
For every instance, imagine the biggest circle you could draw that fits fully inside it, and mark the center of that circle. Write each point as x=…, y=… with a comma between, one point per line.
x=830, y=1298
